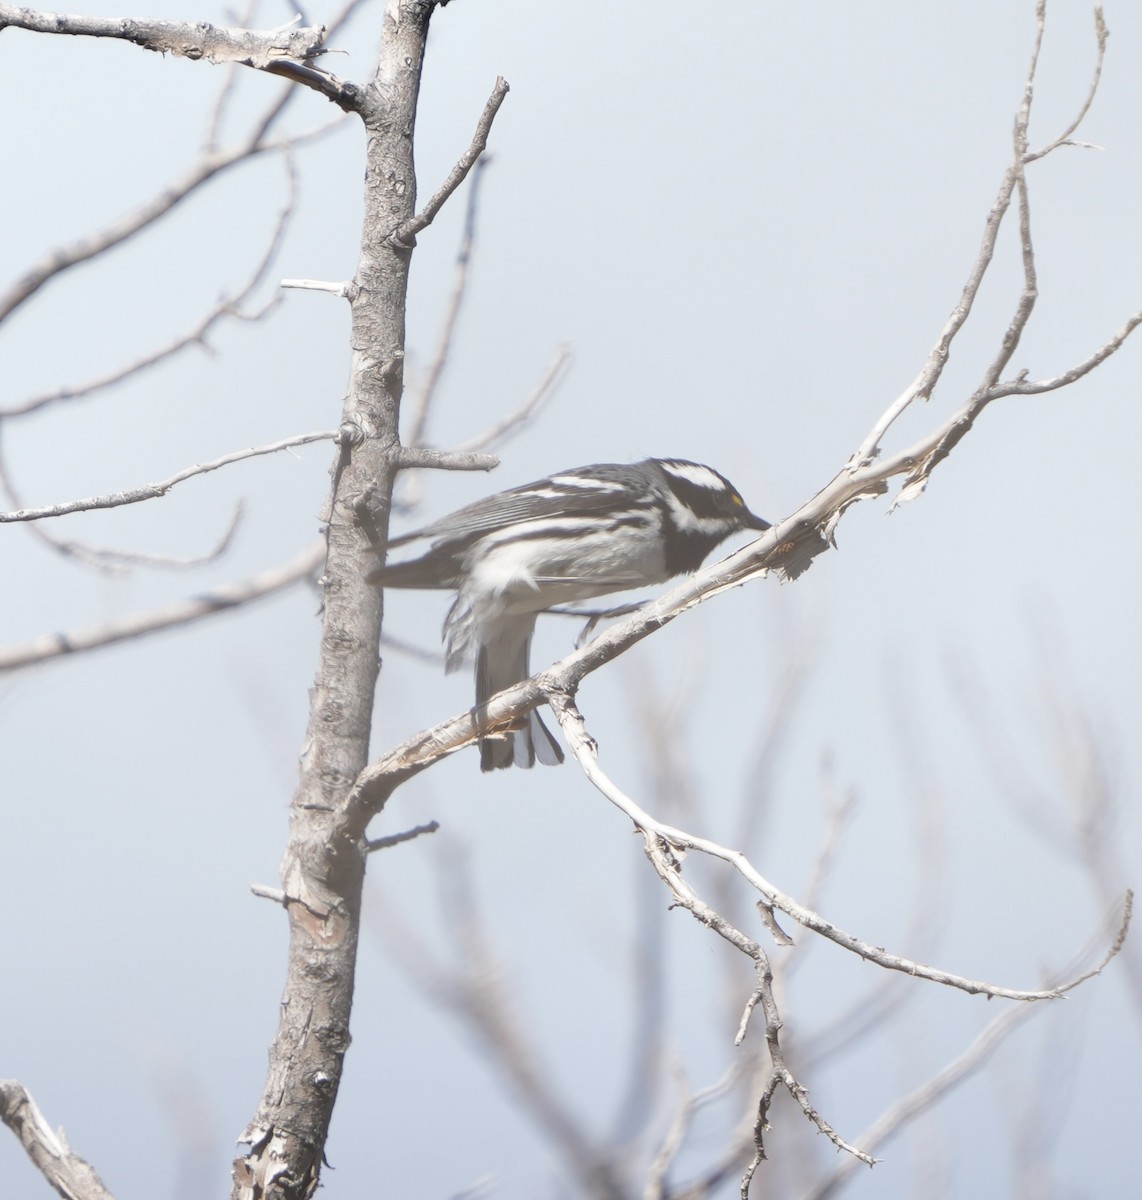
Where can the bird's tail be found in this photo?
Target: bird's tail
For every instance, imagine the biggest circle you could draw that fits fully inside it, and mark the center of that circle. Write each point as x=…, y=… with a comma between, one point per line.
x=424, y=572
x=500, y=663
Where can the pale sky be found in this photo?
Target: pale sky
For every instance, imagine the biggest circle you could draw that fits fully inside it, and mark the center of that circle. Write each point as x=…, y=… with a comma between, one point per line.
x=749, y=223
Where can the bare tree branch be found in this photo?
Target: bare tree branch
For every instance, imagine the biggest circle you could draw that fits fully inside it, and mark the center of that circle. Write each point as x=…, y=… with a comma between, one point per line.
x=68, y=1174
x=665, y=852
x=227, y=308
x=210, y=141
x=208, y=604
x=583, y=747
x=445, y=460
x=405, y=234
x=511, y=424
x=188, y=39
x=397, y=839
x=153, y=491
x=112, y=559
x=342, y=288
x=210, y=164
x=288, y=50
x=65, y=257
x=656, y=1186
x=665, y=847
x=1101, y=35
x=472, y=986
x=420, y=403
x=924, y=384
x=932, y=1090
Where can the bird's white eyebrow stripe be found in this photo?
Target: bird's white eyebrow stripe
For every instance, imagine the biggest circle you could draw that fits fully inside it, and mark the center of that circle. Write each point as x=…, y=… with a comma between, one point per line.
x=695, y=473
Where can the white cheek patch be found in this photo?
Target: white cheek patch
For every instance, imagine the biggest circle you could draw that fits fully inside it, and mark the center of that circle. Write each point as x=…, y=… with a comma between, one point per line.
x=686, y=520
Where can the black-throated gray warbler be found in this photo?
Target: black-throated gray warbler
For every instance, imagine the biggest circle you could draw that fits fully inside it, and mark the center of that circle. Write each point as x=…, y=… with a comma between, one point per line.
x=577, y=534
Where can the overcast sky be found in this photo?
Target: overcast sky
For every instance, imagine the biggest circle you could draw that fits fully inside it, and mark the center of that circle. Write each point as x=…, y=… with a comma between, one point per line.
x=749, y=223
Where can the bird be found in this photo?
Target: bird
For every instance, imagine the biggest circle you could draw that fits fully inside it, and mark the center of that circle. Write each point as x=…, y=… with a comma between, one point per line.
x=577, y=534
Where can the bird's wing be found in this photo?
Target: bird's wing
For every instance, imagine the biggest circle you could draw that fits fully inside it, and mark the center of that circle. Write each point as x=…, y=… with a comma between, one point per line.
x=557, y=496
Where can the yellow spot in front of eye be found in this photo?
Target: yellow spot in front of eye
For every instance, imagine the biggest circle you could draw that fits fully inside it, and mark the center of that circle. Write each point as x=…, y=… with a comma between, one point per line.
x=738, y=500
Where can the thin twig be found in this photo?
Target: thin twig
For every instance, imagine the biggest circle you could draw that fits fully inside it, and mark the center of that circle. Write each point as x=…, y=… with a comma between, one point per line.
x=397, y=839
x=190, y=39
x=152, y=491
x=552, y=376
x=289, y=50
x=222, y=101
x=924, y=1097
x=1064, y=138
x=205, y=169
x=418, y=457
x=112, y=559
x=183, y=612
x=921, y=388
x=420, y=403
x=663, y=851
x=680, y=841
x=405, y=234
x=344, y=288
x=227, y=308
x=689, y=1103
x=64, y=257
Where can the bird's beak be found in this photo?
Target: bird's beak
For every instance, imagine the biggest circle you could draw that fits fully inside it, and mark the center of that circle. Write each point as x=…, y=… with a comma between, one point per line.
x=753, y=521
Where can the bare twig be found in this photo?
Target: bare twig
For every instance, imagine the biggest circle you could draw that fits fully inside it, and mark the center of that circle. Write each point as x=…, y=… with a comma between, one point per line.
x=445, y=460
x=227, y=308
x=289, y=50
x=71, y=1176
x=342, y=289
x=921, y=1099
x=689, y=1103
x=679, y=842
x=152, y=491
x=511, y=424
x=420, y=403
x=665, y=847
x=872, y=1008
x=225, y=93
x=64, y=257
x=473, y=987
x=396, y=839
x=210, y=603
x=1034, y=387
x=921, y=388
x=1064, y=138
x=405, y=234
x=111, y=559
x=190, y=39
x=664, y=852
x=556, y=685
x=208, y=166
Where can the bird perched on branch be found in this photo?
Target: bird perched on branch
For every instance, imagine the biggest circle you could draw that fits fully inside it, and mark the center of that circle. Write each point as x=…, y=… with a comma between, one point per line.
x=580, y=533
